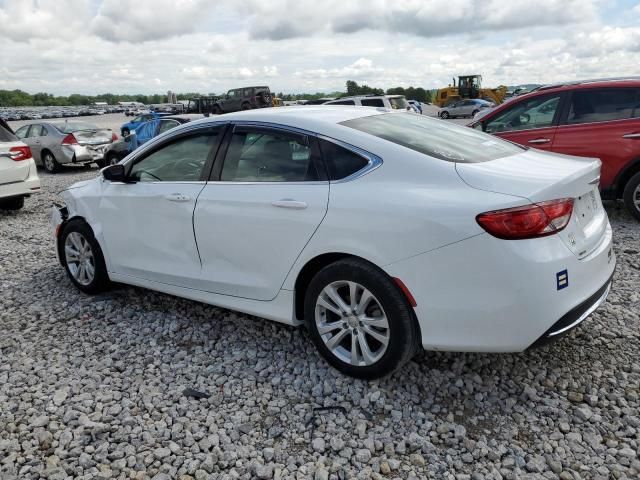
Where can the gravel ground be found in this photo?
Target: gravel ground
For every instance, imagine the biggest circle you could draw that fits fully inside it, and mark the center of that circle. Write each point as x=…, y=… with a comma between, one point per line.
x=94, y=387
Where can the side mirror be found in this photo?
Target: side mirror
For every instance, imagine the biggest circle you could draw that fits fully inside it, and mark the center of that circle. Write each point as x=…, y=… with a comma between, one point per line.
x=114, y=173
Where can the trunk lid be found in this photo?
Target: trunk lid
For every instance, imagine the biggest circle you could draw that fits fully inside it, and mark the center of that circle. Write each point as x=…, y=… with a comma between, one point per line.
x=93, y=137
x=539, y=176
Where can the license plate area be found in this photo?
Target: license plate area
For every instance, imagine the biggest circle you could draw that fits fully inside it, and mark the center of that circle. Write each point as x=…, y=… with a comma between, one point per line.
x=586, y=206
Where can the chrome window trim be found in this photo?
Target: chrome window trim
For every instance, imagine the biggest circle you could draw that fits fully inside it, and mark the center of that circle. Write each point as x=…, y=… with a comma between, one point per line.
x=373, y=161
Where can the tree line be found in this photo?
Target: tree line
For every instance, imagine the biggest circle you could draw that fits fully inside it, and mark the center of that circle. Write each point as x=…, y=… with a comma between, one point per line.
x=19, y=98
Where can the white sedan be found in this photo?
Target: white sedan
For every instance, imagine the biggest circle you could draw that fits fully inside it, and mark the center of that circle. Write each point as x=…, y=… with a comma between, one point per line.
x=380, y=231
x=18, y=174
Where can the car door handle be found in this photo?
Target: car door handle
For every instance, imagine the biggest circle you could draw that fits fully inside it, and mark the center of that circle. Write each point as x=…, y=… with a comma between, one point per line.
x=177, y=197
x=288, y=203
x=539, y=140
x=631, y=135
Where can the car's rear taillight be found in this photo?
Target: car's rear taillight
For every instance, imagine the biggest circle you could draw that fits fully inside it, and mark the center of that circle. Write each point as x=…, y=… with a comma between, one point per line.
x=528, y=221
x=19, y=153
x=69, y=140
x=114, y=137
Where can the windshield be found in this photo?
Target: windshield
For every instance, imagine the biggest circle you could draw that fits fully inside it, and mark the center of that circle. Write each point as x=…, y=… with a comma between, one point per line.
x=398, y=103
x=70, y=127
x=435, y=138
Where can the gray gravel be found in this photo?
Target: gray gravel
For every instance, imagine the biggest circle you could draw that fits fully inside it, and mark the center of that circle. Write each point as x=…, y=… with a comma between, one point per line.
x=93, y=388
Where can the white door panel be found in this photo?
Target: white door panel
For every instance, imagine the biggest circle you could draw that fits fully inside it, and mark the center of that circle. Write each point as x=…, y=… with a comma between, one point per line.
x=148, y=230
x=250, y=235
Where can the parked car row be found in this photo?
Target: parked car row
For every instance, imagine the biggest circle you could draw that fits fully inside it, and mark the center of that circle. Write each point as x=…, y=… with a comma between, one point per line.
x=39, y=113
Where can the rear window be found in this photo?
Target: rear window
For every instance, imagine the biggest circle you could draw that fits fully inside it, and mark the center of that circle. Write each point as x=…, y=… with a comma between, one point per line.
x=6, y=135
x=70, y=127
x=604, y=105
x=372, y=102
x=435, y=138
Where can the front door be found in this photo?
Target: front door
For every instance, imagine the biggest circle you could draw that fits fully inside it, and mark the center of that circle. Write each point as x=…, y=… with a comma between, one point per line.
x=531, y=123
x=254, y=219
x=147, y=224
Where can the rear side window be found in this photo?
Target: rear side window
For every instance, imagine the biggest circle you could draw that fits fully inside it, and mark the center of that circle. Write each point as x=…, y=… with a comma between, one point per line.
x=343, y=102
x=537, y=112
x=372, y=102
x=341, y=162
x=434, y=137
x=398, y=103
x=604, y=105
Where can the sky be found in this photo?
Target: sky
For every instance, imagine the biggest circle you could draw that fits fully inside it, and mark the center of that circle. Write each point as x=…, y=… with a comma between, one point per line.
x=210, y=46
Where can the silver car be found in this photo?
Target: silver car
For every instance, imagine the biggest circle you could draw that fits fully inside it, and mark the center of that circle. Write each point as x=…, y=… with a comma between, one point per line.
x=57, y=143
x=464, y=108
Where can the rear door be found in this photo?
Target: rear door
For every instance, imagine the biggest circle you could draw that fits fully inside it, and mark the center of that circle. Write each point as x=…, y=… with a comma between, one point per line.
x=36, y=139
x=529, y=122
x=602, y=123
x=264, y=204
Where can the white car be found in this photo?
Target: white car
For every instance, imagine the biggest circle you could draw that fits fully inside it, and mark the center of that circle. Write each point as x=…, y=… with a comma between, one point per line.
x=394, y=102
x=383, y=232
x=18, y=173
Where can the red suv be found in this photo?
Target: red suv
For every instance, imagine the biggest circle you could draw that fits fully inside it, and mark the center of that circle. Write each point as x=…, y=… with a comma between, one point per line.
x=598, y=118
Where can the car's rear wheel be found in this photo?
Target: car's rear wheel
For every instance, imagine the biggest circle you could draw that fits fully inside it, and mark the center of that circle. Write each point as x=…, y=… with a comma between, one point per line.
x=82, y=257
x=444, y=115
x=359, y=319
x=217, y=110
x=631, y=195
x=246, y=106
x=13, y=203
x=49, y=162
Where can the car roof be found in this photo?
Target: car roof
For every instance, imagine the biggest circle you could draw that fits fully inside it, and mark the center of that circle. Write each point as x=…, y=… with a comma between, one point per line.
x=312, y=118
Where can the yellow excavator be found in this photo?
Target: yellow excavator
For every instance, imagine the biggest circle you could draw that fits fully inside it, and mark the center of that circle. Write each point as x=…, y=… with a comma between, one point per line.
x=469, y=86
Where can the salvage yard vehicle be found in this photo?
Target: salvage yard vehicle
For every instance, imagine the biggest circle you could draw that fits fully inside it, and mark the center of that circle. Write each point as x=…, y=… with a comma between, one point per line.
x=58, y=143
x=394, y=102
x=245, y=98
x=464, y=108
x=126, y=128
x=586, y=118
x=382, y=231
x=18, y=173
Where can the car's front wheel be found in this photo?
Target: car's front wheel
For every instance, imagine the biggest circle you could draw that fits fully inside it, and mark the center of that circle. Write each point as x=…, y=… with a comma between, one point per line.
x=82, y=257
x=444, y=115
x=631, y=195
x=360, y=320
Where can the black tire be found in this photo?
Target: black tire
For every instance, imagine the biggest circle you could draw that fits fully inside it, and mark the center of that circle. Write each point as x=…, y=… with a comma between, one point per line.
x=100, y=281
x=111, y=159
x=245, y=106
x=267, y=100
x=444, y=115
x=404, y=334
x=125, y=132
x=13, y=203
x=49, y=162
x=217, y=110
x=631, y=196
x=473, y=114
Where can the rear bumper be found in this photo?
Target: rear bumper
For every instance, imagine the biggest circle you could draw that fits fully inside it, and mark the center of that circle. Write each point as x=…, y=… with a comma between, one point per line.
x=489, y=295
x=21, y=188
x=81, y=154
x=575, y=316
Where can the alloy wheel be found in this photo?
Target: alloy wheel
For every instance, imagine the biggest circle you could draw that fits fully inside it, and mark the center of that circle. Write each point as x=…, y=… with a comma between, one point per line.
x=49, y=162
x=352, y=323
x=79, y=258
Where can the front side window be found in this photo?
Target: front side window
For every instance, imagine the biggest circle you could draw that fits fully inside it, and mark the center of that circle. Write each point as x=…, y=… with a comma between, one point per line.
x=372, y=102
x=180, y=161
x=604, y=105
x=268, y=156
x=537, y=112
x=341, y=162
x=231, y=93
x=435, y=138
x=137, y=119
